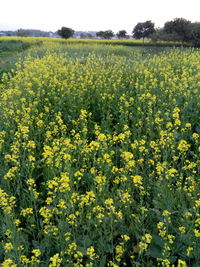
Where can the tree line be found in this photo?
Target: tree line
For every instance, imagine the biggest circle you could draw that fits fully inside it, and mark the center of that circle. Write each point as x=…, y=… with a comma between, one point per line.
x=178, y=29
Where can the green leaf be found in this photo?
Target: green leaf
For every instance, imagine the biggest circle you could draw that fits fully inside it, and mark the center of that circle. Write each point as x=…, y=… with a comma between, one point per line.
x=102, y=262
x=155, y=251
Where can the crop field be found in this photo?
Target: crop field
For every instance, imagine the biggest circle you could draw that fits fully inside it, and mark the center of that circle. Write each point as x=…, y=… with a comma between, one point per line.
x=100, y=156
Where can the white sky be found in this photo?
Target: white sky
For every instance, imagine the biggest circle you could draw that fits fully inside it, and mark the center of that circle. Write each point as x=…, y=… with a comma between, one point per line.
x=93, y=15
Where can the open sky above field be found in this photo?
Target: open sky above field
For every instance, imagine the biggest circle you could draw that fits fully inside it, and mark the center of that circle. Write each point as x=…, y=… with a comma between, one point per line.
x=92, y=15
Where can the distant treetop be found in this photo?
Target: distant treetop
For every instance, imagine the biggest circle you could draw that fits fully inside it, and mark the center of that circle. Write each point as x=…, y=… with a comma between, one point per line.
x=179, y=26
x=105, y=34
x=143, y=30
x=122, y=34
x=65, y=32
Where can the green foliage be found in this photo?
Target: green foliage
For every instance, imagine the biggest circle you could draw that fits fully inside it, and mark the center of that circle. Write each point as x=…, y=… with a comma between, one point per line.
x=161, y=35
x=65, y=32
x=143, y=30
x=105, y=34
x=179, y=27
x=122, y=34
x=179, y=30
x=195, y=34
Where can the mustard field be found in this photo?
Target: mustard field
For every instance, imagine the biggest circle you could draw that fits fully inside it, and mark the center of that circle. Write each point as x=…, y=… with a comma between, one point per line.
x=100, y=157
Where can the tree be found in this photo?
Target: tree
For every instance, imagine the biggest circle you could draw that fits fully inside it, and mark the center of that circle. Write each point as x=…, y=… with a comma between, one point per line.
x=100, y=34
x=65, y=32
x=143, y=30
x=105, y=34
x=122, y=34
x=161, y=35
x=195, y=34
x=180, y=27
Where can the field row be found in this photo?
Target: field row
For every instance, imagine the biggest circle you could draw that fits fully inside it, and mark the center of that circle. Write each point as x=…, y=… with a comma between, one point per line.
x=99, y=156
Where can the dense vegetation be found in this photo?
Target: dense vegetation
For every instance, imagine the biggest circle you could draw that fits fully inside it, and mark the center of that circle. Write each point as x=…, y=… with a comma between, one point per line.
x=99, y=156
